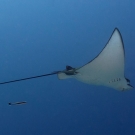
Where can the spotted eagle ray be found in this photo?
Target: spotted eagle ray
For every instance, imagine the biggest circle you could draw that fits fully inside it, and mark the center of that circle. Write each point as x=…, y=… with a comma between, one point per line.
x=106, y=69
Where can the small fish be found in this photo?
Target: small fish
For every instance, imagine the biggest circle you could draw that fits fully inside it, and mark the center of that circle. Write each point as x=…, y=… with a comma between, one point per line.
x=17, y=103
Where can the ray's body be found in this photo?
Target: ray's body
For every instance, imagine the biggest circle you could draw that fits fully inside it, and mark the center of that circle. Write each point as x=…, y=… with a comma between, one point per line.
x=107, y=69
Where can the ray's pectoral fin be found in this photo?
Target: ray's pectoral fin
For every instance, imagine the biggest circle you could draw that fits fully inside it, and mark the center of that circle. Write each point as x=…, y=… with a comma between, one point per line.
x=107, y=68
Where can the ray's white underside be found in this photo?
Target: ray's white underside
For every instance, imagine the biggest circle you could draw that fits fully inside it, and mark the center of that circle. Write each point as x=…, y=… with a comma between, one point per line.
x=107, y=68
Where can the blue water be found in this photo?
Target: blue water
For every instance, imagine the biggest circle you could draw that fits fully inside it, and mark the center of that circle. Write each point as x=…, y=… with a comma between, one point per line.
x=38, y=37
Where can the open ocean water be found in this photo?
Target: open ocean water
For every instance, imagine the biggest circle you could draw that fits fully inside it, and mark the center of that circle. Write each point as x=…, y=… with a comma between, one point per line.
x=41, y=36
